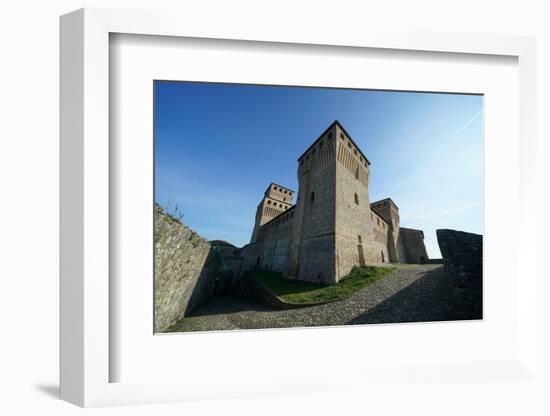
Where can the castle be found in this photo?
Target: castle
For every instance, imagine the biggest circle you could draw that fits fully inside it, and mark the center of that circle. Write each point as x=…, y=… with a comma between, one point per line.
x=333, y=226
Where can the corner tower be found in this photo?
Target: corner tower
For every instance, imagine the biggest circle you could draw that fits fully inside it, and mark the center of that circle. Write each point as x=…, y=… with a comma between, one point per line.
x=390, y=212
x=312, y=245
x=332, y=229
x=276, y=200
x=355, y=241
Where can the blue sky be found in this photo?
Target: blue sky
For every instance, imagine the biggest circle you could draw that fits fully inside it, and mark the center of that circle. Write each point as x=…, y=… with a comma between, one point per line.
x=218, y=146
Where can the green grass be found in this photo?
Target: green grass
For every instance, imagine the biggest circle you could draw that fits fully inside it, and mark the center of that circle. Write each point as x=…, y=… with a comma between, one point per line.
x=296, y=291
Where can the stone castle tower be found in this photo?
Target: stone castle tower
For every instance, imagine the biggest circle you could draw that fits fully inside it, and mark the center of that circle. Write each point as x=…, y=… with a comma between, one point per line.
x=276, y=200
x=390, y=212
x=333, y=225
x=333, y=202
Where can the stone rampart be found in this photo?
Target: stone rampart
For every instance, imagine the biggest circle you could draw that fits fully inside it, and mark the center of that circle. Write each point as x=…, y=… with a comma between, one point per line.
x=463, y=258
x=185, y=270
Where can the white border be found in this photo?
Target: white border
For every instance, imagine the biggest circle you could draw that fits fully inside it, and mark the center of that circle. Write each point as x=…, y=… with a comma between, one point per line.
x=85, y=203
x=138, y=60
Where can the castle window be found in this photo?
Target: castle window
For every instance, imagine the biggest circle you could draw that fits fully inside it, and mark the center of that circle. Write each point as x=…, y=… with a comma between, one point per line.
x=312, y=196
x=356, y=199
x=284, y=198
x=359, y=238
x=378, y=221
x=342, y=136
x=357, y=173
x=355, y=152
x=330, y=135
x=268, y=202
x=360, y=159
x=349, y=145
x=280, y=205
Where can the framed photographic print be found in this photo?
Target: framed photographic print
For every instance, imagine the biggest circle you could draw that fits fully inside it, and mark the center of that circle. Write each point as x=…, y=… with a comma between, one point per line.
x=330, y=247
x=275, y=212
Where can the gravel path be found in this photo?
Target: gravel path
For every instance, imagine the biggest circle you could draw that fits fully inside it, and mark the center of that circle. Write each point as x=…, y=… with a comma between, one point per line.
x=412, y=293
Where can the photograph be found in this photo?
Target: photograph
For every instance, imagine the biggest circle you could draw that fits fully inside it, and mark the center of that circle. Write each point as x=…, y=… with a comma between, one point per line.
x=290, y=207
x=270, y=208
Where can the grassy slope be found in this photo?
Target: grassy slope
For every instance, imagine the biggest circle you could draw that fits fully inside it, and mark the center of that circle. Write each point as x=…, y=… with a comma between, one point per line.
x=295, y=291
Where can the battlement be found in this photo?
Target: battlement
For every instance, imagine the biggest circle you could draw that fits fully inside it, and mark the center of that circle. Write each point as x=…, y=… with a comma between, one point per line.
x=384, y=202
x=329, y=133
x=279, y=193
x=277, y=200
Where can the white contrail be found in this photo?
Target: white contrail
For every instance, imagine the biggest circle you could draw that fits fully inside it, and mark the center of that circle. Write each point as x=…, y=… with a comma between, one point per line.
x=421, y=220
x=412, y=172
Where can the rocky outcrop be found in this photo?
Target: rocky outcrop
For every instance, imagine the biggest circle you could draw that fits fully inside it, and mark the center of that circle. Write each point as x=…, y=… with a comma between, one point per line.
x=186, y=269
x=463, y=258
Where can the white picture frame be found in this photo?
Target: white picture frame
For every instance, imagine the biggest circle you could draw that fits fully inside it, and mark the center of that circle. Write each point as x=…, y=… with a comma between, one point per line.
x=85, y=214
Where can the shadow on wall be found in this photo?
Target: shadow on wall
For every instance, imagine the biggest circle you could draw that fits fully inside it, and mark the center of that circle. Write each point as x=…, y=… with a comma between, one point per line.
x=233, y=303
x=216, y=278
x=183, y=261
x=463, y=258
x=188, y=270
x=205, y=283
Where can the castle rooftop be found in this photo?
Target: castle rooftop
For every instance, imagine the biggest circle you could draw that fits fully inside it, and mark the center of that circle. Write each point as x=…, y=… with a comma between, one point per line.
x=280, y=186
x=384, y=200
x=279, y=215
x=335, y=123
x=373, y=209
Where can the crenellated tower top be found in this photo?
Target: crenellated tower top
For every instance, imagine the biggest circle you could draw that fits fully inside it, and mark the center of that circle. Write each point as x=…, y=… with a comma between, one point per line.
x=276, y=200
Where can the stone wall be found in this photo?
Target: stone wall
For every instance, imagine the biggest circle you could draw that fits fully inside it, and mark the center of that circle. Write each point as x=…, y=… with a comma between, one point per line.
x=412, y=247
x=312, y=245
x=185, y=270
x=390, y=212
x=463, y=258
x=225, y=249
x=249, y=287
x=276, y=200
x=378, y=248
x=354, y=231
x=271, y=249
